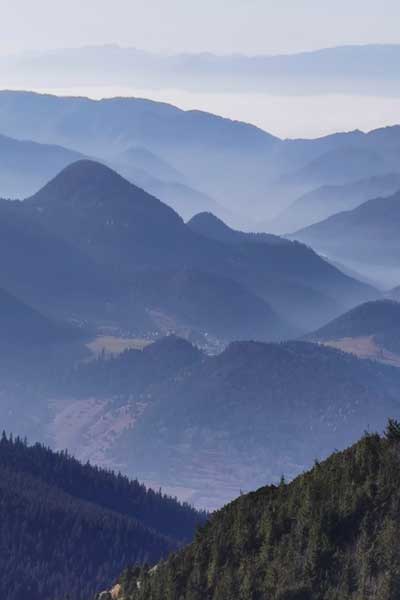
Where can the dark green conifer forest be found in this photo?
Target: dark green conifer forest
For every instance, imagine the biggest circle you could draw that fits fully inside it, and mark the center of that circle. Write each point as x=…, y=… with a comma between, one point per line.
x=331, y=534
x=67, y=530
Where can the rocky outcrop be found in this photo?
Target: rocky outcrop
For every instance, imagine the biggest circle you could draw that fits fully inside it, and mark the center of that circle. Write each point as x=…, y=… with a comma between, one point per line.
x=114, y=594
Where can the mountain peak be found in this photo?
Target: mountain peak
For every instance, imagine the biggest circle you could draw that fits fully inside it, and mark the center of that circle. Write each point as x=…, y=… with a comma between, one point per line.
x=87, y=184
x=81, y=174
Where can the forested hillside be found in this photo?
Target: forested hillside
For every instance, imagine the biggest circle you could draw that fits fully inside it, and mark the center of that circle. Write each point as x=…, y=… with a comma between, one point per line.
x=67, y=529
x=331, y=534
x=233, y=421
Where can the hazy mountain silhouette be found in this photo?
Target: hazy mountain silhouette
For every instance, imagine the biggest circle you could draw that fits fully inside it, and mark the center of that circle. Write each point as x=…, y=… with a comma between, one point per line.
x=123, y=227
x=360, y=69
x=340, y=166
x=367, y=234
x=41, y=162
x=26, y=166
x=328, y=200
x=203, y=148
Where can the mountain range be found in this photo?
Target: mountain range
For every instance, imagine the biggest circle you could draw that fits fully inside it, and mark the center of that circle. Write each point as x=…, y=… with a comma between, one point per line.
x=359, y=69
x=92, y=249
x=41, y=162
x=328, y=200
x=155, y=328
x=183, y=156
x=365, y=236
x=89, y=238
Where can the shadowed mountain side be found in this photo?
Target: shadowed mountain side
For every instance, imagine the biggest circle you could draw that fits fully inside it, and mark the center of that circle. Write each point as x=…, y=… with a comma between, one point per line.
x=36, y=263
x=24, y=329
x=210, y=304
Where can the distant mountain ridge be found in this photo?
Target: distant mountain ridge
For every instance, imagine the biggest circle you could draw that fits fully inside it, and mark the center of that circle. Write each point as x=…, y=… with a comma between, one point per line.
x=342, y=69
x=26, y=166
x=202, y=148
x=366, y=235
x=328, y=200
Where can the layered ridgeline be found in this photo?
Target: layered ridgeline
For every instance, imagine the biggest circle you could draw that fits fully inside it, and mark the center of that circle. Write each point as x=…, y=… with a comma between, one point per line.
x=365, y=237
x=183, y=156
x=330, y=534
x=37, y=162
x=327, y=200
x=224, y=423
x=68, y=528
x=335, y=70
x=89, y=236
x=371, y=330
x=41, y=162
x=200, y=146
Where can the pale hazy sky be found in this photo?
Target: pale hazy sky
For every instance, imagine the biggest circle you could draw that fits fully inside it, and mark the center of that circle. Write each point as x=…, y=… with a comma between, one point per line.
x=221, y=26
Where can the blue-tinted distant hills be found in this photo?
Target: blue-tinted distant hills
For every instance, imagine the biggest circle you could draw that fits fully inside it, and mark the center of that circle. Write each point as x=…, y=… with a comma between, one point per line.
x=326, y=200
x=368, y=234
x=90, y=239
x=25, y=166
x=361, y=69
x=197, y=161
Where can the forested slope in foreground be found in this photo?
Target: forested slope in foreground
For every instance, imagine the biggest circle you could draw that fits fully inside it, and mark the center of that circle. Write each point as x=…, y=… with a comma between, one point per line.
x=67, y=529
x=331, y=534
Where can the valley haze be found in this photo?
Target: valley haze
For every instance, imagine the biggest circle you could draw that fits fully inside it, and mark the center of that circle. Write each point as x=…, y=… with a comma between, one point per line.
x=199, y=300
